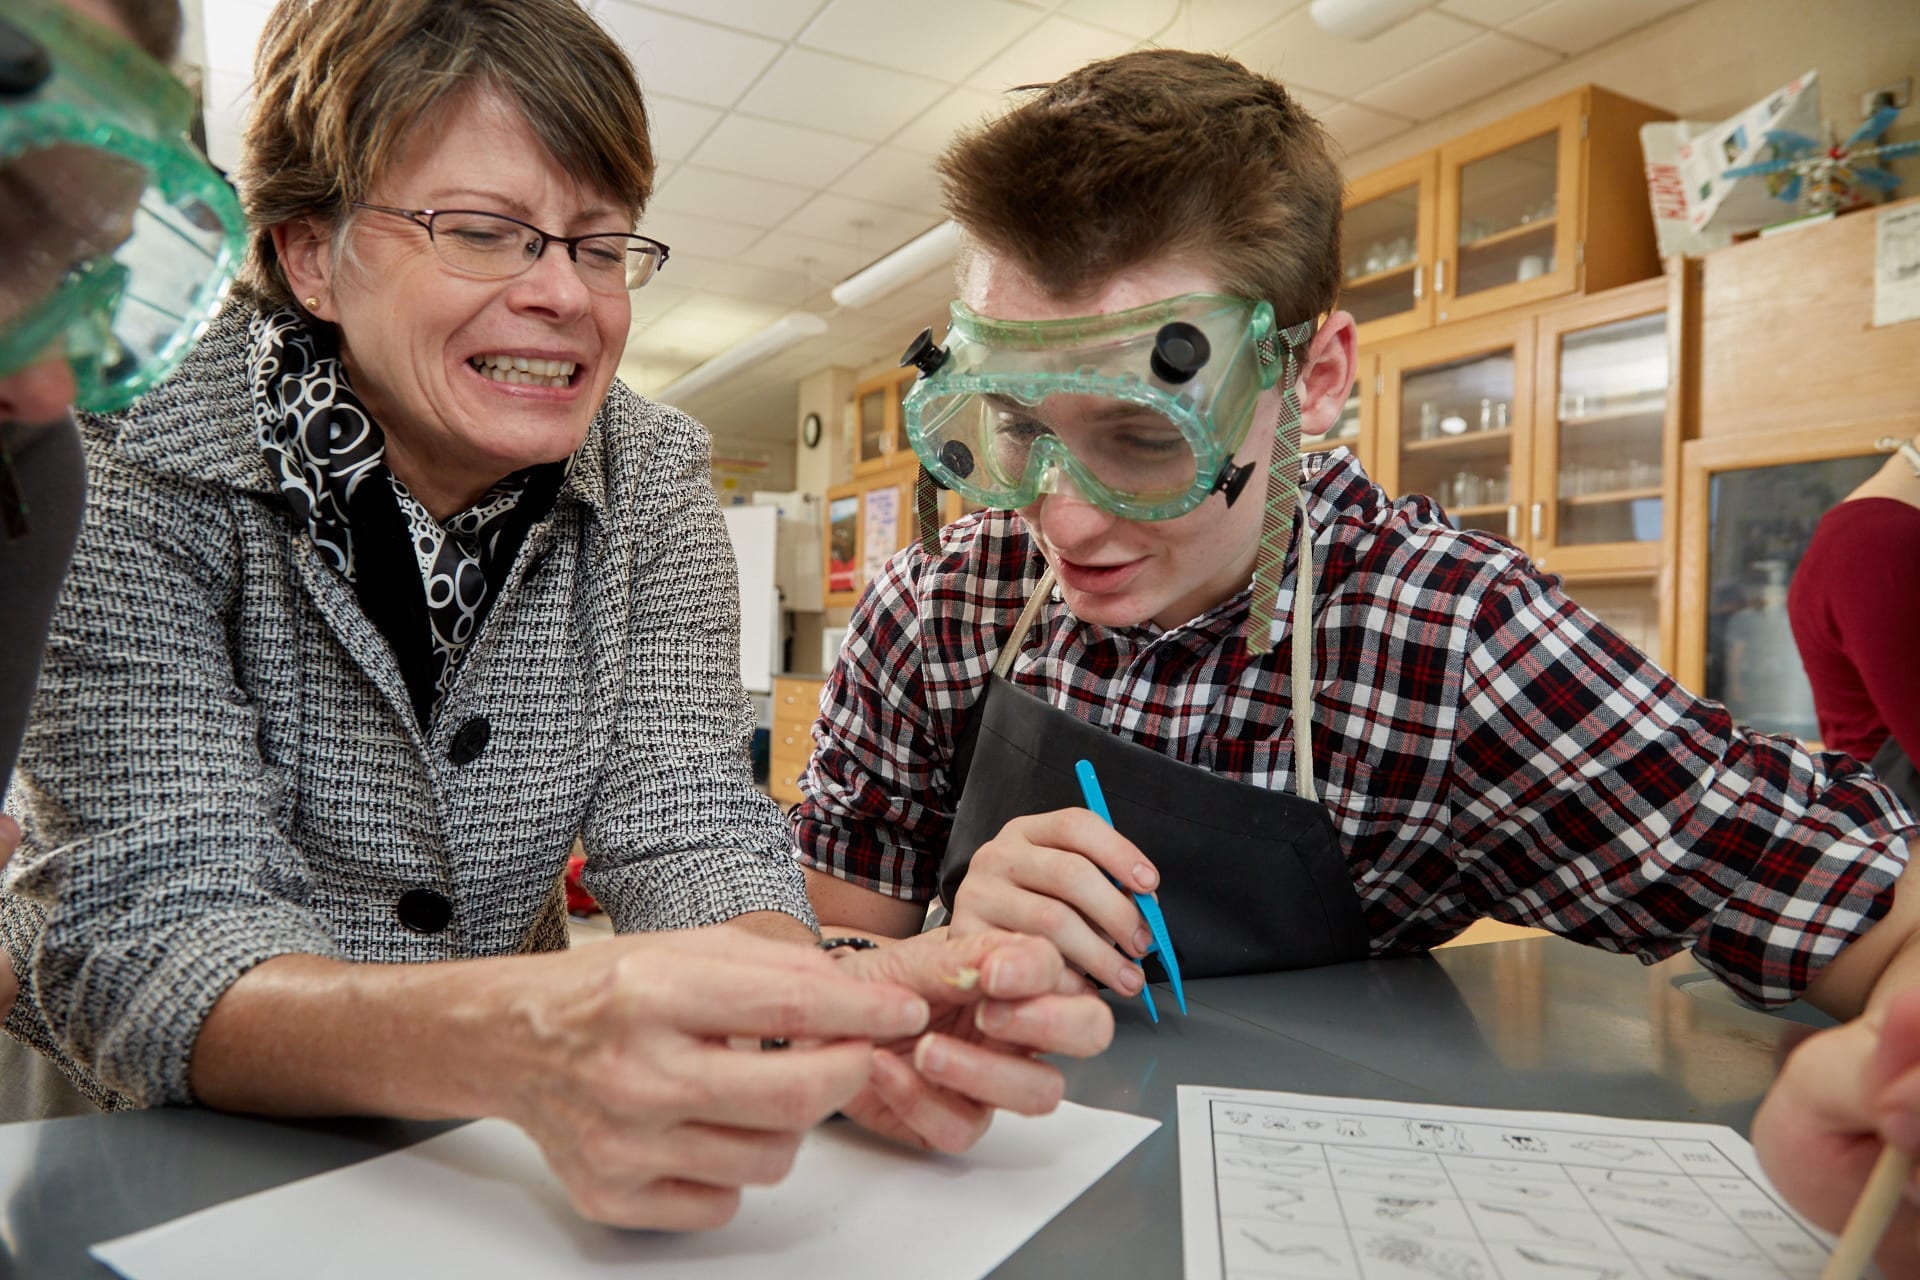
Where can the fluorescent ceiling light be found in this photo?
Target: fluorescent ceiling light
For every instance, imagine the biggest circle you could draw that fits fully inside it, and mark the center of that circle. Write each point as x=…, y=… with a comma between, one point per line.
x=1365, y=19
x=790, y=329
x=915, y=258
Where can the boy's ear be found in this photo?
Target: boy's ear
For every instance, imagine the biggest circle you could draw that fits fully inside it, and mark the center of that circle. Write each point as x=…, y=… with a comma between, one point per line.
x=1326, y=374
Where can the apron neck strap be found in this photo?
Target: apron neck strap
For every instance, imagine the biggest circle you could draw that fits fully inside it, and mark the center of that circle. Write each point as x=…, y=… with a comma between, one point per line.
x=1042, y=594
x=1301, y=693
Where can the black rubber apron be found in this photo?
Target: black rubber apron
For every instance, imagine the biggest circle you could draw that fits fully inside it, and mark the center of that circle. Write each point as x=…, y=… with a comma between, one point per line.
x=1892, y=766
x=1252, y=880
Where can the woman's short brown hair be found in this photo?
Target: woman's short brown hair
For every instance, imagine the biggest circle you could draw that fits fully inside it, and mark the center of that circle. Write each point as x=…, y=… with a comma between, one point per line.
x=1155, y=155
x=339, y=86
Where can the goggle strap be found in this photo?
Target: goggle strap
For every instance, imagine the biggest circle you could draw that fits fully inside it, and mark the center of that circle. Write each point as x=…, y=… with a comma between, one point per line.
x=926, y=512
x=1276, y=528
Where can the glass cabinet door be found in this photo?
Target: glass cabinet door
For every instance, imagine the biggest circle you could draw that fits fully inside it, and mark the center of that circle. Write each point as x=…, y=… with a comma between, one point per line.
x=1759, y=522
x=1610, y=433
x=1456, y=439
x=872, y=404
x=1509, y=205
x=1387, y=241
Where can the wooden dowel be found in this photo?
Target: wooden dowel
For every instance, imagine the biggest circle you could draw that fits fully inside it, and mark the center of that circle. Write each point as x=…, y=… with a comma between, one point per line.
x=1871, y=1214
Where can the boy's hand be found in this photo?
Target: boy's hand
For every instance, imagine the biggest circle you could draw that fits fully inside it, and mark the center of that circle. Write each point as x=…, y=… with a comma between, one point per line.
x=1046, y=875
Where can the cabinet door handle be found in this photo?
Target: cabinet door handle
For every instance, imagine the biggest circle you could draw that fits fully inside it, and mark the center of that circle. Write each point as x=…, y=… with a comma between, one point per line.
x=1418, y=271
x=1513, y=523
x=1537, y=507
x=1440, y=276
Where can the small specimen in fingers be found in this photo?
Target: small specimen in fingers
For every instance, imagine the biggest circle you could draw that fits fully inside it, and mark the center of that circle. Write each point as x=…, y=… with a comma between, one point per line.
x=966, y=979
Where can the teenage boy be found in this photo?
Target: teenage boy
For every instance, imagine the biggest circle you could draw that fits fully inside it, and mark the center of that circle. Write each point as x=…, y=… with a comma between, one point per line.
x=1428, y=732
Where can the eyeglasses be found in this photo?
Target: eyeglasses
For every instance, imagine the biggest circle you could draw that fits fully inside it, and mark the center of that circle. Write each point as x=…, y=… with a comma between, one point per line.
x=496, y=247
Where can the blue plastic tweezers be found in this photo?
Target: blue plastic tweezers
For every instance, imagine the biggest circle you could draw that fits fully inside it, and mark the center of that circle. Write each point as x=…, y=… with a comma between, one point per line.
x=1150, y=909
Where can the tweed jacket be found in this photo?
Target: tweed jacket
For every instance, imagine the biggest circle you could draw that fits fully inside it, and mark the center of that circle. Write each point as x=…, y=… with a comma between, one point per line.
x=223, y=764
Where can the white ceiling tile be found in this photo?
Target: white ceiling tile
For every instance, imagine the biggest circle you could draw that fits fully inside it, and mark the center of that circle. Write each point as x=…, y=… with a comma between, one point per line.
x=1141, y=19
x=891, y=176
x=781, y=19
x=1223, y=24
x=784, y=289
x=232, y=31
x=945, y=40
x=858, y=224
x=1492, y=13
x=961, y=109
x=1356, y=128
x=1574, y=26
x=1048, y=52
x=708, y=237
x=785, y=251
x=745, y=314
x=676, y=126
x=1314, y=103
x=753, y=202
x=1297, y=51
x=778, y=152
x=1474, y=70
x=686, y=59
x=820, y=91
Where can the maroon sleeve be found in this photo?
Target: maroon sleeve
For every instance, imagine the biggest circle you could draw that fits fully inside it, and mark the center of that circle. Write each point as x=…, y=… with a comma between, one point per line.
x=1855, y=608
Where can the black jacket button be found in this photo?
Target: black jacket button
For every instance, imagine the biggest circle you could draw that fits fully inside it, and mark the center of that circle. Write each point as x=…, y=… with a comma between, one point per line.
x=424, y=911
x=469, y=740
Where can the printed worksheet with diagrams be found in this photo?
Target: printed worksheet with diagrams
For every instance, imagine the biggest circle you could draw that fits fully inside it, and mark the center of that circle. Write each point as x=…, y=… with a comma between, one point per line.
x=1296, y=1185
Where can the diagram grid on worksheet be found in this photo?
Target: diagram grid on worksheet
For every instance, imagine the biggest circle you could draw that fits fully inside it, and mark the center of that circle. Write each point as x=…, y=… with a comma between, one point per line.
x=1311, y=1187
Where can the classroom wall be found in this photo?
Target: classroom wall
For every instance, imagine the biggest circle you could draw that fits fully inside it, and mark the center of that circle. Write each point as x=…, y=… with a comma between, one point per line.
x=1710, y=61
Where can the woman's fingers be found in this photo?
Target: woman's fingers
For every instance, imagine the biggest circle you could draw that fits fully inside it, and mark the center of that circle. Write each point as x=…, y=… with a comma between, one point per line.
x=990, y=1075
x=931, y=1115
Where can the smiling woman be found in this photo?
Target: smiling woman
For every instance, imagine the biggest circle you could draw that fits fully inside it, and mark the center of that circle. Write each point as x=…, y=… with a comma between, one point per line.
x=391, y=594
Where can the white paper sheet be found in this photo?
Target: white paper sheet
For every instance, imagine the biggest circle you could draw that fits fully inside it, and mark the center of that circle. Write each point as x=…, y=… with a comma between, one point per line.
x=479, y=1202
x=1290, y=1184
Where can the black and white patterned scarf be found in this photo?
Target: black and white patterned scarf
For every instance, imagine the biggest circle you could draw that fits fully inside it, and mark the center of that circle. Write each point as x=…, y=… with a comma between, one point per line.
x=322, y=445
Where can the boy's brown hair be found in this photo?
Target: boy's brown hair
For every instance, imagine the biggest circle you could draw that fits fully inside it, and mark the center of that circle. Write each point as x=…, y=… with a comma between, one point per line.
x=1154, y=155
x=341, y=85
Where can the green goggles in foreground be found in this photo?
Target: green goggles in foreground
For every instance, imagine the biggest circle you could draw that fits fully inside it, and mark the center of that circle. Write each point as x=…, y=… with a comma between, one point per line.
x=120, y=239
x=1142, y=410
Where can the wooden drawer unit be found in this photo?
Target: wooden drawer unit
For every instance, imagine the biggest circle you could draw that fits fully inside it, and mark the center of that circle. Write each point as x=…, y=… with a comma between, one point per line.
x=796, y=705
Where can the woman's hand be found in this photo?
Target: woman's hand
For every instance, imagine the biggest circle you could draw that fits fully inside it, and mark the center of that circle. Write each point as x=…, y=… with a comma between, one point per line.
x=1046, y=875
x=998, y=999
x=1841, y=1097
x=638, y=1101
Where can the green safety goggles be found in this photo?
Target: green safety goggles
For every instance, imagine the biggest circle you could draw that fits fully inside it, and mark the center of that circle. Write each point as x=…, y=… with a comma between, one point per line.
x=120, y=239
x=1142, y=410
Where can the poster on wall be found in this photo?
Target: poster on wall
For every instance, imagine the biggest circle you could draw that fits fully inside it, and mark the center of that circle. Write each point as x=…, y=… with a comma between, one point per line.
x=843, y=535
x=881, y=536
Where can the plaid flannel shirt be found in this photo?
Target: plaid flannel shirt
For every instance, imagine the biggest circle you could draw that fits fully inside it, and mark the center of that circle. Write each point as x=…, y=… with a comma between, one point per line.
x=1484, y=746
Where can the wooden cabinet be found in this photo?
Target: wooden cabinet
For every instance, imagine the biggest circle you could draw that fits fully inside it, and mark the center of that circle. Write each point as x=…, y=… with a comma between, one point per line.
x=796, y=705
x=880, y=429
x=1547, y=202
x=1390, y=240
x=868, y=519
x=1558, y=428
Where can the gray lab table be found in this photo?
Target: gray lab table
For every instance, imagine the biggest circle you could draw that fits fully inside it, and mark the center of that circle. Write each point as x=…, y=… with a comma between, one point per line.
x=1534, y=1024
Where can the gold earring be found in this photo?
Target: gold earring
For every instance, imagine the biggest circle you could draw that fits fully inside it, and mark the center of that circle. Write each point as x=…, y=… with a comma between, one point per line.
x=313, y=304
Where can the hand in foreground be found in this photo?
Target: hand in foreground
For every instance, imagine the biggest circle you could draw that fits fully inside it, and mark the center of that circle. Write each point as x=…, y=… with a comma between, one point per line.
x=1043, y=875
x=9, y=983
x=1841, y=1096
x=998, y=999
x=641, y=1107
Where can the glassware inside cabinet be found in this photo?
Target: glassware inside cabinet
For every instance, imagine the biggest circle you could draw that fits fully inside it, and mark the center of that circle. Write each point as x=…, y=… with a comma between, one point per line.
x=1380, y=276
x=1612, y=415
x=1347, y=425
x=1456, y=438
x=1508, y=207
